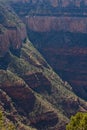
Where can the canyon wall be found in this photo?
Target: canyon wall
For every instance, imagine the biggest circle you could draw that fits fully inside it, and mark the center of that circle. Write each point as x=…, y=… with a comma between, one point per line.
x=31, y=93
x=12, y=30
x=60, y=34
x=47, y=24
x=66, y=52
x=56, y=3
x=13, y=37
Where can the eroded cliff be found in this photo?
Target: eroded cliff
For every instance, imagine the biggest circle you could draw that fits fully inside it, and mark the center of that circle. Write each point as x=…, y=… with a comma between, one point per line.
x=31, y=93
x=12, y=30
x=59, y=31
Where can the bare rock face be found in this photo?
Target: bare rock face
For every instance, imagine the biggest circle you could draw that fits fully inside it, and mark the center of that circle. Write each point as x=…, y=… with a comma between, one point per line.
x=11, y=39
x=36, y=23
x=38, y=82
x=3, y=40
x=54, y=15
x=6, y=41
x=48, y=118
x=71, y=64
x=5, y=102
x=12, y=31
x=21, y=94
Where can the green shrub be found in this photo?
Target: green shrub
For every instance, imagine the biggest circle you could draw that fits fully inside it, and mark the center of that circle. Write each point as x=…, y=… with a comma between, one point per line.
x=78, y=122
x=4, y=124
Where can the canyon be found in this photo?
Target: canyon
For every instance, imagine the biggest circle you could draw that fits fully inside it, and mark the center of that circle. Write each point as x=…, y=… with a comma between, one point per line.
x=67, y=53
x=32, y=95
x=60, y=34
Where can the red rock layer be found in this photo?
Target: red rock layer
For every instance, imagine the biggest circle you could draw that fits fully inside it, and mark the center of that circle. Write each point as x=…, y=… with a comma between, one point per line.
x=14, y=89
x=12, y=37
x=38, y=82
x=49, y=118
x=71, y=65
x=47, y=23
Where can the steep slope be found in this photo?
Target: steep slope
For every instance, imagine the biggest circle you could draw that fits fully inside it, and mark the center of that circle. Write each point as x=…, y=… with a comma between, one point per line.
x=53, y=90
x=32, y=95
x=27, y=104
x=59, y=31
x=12, y=30
x=67, y=53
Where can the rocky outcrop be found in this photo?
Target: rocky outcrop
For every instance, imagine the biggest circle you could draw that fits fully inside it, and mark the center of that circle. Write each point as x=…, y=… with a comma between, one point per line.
x=5, y=102
x=46, y=119
x=21, y=94
x=38, y=82
x=7, y=38
x=12, y=31
x=31, y=93
x=24, y=102
x=11, y=40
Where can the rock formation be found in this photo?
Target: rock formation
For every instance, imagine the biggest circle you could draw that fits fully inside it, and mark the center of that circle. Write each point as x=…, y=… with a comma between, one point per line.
x=12, y=31
x=32, y=95
x=60, y=33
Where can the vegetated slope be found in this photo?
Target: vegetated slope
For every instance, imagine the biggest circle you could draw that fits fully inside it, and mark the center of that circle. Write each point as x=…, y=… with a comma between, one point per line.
x=67, y=53
x=32, y=95
x=60, y=34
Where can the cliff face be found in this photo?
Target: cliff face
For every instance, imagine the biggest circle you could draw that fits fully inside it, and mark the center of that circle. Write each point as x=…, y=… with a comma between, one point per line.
x=38, y=82
x=66, y=24
x=10, y=35
x=66, y=52
x=53, y=15
x=56, y=3
x=59, y=31
x=31, y=93
x=34, y=95
x=71, y=65
x=12, y=31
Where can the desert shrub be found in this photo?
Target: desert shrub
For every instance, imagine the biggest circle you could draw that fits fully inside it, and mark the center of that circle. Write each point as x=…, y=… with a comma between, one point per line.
x=5, y=124
x=78, y=122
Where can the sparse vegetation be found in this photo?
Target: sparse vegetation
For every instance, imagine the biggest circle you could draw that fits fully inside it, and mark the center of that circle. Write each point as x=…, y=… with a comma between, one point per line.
x=5, y=124
x=43, y=106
